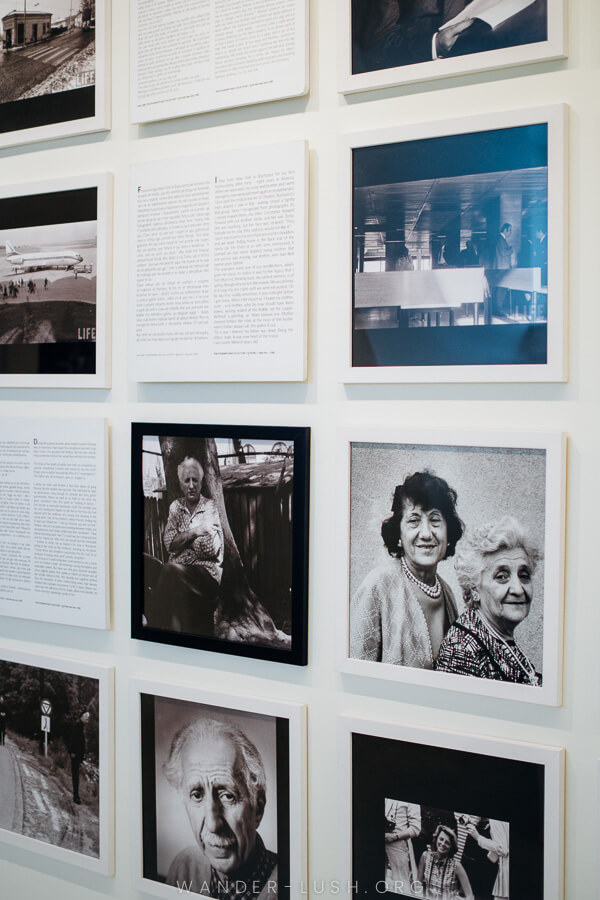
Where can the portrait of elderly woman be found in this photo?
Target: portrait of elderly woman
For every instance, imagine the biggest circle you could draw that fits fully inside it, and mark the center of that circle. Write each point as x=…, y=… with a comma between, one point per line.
x=433, y=591
x=495, y=564
x=403, y=609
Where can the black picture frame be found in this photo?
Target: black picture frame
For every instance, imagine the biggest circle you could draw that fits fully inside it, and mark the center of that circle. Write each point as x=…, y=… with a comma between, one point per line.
x=145, y=573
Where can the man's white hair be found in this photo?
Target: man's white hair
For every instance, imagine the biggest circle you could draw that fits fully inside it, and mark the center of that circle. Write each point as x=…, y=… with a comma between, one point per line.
x=249, y=763
x=189, y=460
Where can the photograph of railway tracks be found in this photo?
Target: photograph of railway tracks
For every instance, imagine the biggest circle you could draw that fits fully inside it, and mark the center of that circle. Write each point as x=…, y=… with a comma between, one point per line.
x=49, y=757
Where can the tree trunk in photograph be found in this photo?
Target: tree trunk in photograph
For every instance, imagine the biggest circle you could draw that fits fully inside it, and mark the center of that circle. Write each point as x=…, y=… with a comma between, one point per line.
x=240, y=616
x=237, y=446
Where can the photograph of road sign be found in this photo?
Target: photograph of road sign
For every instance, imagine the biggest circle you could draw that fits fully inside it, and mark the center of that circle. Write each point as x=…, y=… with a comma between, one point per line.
x=51, y=61
x=55, y=758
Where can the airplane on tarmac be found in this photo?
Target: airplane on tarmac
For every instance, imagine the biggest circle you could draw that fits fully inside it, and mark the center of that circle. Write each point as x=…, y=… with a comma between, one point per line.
x=34, y=262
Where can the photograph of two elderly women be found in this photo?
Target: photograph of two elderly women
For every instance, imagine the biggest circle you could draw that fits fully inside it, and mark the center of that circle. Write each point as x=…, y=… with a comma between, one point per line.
x=448, y=552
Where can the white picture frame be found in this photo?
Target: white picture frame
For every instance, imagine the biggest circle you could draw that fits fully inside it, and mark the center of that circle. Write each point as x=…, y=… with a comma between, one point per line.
x=225, y=706
x=49, y=125
x=431, y=446
x=97, y=368
x=438, y=742
x=59, y=819
x=281, y=77
x=242, y=322
x=58, y=497
x=349, y=81
x=544, y=362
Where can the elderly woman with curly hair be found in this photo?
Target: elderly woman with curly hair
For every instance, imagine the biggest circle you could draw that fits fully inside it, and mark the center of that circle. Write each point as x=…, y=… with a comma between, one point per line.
x=402, y=610
x=495, y=566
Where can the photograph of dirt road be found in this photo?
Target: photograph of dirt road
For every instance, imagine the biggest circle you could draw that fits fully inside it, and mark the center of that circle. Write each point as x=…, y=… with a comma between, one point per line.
x=46, y=48
x=49, y=757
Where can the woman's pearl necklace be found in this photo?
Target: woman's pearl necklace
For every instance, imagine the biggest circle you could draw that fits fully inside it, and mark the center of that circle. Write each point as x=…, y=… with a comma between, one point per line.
x=434, y=592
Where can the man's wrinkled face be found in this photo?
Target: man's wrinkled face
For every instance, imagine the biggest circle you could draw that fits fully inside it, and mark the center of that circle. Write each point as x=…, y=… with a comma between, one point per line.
x=191, y=477
x=222, y=815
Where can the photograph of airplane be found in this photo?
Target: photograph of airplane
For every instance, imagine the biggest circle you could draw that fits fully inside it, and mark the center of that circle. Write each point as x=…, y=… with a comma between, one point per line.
x=48, y=284
x=36, y=262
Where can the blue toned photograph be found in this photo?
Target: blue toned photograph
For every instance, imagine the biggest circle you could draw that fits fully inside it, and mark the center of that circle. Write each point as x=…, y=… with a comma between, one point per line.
x=391, y=33
x=450, y=250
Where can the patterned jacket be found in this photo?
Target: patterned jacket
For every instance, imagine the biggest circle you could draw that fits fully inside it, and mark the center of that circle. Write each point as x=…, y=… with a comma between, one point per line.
x=469, y=648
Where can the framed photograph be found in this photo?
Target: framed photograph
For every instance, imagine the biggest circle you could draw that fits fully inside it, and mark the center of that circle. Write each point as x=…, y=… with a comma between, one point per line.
x=223, y=60
x=57, y=758
x=220, y=538
x=386, y=42
x=446, y=274
x=54, y=69
x=54, y=283
x=437, y=814
x=54, y=502
x=452, y=572
x=222, y=787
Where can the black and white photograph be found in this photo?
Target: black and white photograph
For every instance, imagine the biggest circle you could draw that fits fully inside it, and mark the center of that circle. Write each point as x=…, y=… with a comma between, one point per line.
x=443, y=816
x=51, y=66
x=455, y=265
x=389, y=42
x=220, y=550
x=221, y=794
x=454, y=562
x=53, y=261
x=48, y=284
x=443, y=855
x=53, y=765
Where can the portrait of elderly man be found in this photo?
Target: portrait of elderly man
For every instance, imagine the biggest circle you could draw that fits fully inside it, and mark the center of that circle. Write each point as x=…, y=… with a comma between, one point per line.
x=189, y=583
x=220, y=777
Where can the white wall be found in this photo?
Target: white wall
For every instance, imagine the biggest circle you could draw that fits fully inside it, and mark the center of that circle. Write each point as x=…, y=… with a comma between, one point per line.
x=323, y=403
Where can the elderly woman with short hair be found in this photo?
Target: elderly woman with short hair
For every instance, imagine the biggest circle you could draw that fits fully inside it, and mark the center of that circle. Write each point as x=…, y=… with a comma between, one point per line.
x=189, y=584
x=495, y=566
x=402, y=610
